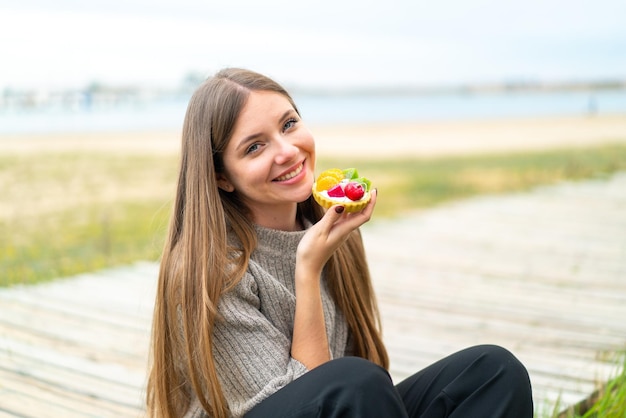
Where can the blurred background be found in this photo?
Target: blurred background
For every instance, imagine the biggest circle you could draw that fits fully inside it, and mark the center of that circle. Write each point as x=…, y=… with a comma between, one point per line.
x=119, y=65
x=93, y=95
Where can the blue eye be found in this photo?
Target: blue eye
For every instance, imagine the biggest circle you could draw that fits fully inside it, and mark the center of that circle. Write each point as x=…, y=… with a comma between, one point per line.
x=252, y=148
x=289, y=123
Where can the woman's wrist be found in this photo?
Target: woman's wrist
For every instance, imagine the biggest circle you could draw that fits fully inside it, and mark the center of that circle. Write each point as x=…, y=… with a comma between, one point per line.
x=307, y=270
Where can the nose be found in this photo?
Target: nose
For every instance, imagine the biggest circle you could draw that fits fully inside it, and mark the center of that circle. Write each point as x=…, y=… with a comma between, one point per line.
x=286, y=151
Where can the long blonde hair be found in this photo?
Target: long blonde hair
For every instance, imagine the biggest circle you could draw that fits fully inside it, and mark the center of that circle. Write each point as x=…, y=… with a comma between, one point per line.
x=198, y=266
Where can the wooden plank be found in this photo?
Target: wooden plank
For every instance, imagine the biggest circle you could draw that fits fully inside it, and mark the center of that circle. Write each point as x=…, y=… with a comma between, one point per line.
x=70, y=309
x=39, y=398
x=75, y=349
x=111, y=381
x=70, y=329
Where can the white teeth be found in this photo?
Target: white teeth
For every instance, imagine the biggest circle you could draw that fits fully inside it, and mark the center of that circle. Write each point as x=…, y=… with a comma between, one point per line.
x=290, y=175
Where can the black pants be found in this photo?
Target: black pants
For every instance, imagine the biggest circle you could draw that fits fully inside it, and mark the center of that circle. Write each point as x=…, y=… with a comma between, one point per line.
x=483, y=382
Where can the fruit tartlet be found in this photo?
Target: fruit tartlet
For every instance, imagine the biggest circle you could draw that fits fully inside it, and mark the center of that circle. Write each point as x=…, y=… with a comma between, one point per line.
x=342, y=187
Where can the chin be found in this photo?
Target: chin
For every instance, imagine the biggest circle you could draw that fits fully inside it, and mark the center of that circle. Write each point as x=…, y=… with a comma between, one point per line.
x=301, y=196
x=305, y=199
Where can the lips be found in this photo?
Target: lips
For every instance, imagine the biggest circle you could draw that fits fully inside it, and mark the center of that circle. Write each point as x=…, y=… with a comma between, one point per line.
x=291, y=174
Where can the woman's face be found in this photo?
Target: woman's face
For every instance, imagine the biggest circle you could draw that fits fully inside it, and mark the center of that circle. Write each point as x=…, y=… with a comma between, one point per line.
x=270, y=159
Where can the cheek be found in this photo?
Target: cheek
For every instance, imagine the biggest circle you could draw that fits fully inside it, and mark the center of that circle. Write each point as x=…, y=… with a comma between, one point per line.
x=308, y=144
x=250, y=175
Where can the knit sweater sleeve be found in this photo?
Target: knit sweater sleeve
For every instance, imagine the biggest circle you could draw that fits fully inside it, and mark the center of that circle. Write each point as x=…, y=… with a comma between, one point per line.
x=252, y=354
x=253, y=333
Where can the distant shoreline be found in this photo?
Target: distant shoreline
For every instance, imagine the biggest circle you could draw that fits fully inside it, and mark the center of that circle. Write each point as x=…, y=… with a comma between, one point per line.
x=98, y=95
x=80, y=113
x=514, y=86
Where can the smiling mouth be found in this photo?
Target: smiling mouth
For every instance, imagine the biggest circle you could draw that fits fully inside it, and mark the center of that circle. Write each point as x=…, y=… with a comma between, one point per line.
x=291, y=174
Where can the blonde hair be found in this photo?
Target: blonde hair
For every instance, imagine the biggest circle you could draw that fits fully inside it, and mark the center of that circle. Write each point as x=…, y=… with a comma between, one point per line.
x=198, y=266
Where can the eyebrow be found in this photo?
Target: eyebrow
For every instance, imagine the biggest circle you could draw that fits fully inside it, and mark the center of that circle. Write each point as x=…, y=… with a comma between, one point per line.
x=252, y=137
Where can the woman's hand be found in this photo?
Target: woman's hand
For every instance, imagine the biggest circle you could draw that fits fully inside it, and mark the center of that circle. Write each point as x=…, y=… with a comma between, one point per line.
x=310, y=342
x=323, y=238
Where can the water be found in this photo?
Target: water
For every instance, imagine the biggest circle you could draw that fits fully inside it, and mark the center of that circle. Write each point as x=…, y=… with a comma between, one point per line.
x=168, y=113
x=458, y=106
x=130, y=116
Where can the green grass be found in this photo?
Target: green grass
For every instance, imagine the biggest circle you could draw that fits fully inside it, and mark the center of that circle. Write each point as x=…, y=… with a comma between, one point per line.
x=419, y=183
x=64, y=243
x=608, y=402
x=67, y=213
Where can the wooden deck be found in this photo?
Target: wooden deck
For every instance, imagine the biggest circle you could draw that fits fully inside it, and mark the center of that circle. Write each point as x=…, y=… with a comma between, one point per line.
x=542, y=273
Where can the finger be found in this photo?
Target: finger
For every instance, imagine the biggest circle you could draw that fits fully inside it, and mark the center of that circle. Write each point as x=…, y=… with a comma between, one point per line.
x=372, y=203
x=332, y=215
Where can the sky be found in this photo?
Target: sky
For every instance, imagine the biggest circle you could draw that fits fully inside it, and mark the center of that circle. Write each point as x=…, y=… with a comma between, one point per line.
x=312, y=44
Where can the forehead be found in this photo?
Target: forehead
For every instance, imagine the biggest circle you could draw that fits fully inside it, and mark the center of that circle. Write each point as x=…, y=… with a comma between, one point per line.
x=262, y=107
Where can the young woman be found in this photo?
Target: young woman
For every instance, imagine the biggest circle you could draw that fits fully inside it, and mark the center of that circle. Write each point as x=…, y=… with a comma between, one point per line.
x=264, y=305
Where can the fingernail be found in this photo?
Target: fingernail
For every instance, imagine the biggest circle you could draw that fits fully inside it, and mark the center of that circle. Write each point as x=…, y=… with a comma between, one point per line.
x=339, y=209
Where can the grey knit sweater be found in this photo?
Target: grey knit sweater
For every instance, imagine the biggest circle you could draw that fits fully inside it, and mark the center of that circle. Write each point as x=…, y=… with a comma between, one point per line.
x=252, y=345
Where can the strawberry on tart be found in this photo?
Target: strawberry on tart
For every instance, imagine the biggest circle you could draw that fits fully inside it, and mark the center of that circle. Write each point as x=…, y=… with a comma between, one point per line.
x=342, y=187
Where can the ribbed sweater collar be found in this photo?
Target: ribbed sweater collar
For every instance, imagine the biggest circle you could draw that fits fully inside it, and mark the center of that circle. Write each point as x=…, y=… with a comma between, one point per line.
x=277, y=242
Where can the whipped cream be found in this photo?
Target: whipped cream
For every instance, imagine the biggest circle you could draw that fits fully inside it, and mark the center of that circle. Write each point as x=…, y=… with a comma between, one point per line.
x=344, y=199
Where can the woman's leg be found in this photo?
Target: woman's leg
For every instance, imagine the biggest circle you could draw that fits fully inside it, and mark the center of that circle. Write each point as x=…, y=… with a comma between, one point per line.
x=347, y=387
x=482, y=381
